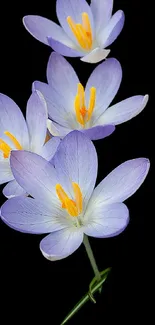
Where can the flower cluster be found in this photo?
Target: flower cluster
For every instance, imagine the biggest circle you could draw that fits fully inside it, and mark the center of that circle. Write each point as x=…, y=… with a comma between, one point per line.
x=49, y=161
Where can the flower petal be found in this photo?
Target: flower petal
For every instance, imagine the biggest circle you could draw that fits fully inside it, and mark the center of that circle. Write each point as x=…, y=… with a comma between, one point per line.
x=106, y=78
x=106, y=220
x=108, y=35
x=96, y=55
x=5, y=172
x=36, y=117
x=50, y=147
x=13, y=189
x=102, y=11
x=31, y=216
x=76, y=161
x=12, y=120
x=99, y=132
x=63, y=49
x=36, y=175
x=61, y=244
x=57, y=130
x=123, y=111
x=65, y=8
x=40, y=28
x=122, y=182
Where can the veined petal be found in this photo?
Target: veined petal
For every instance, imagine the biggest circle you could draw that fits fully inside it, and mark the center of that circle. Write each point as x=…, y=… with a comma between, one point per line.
x=50, y=147
x=108, y=35
x=106, y=78
x=99, y=132
x=121, y=183
x=41, y=28
x=102, y=11
x=76, y=161
x=106, y=220
x=74, y=9
x=96, y=55
x=5, y=172
x=57, y=130
x=63, y=49
x=61, y=244
x=36, y=117
x=36, y=175
x=12, y=120
x=123, y=111
x=13, y=189
x=31, y=216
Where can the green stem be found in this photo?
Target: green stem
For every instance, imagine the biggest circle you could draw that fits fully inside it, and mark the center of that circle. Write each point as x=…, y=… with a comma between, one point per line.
x=91, y=258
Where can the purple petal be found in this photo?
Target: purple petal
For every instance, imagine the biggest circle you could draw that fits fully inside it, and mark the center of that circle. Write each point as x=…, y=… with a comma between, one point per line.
x=65, y=8
x=12, y=120
x=76, y=161
x=102, y=11
x=36, y=175
x=5, y=172
x=36, y=117
x=61, y=244
x=106, y=220
x=95, y=55
x=108, y=35
x=31, y=216
x=13, y=189
x=99, y=132
x=41, y=28
x=123, y=111
x=122, y=182
x=50, y=147
x=63, y=49
x=106, y=78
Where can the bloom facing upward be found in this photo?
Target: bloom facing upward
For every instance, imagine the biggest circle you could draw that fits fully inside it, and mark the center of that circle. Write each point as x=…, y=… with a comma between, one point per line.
x=71, y=107
x=85, y=30
x=65, y=203
x=18, y=134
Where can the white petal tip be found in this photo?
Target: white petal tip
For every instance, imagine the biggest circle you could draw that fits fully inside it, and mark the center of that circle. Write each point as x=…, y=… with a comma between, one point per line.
x=96, y=55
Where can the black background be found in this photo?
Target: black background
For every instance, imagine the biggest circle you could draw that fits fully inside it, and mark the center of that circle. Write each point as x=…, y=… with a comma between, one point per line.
x=32, y=288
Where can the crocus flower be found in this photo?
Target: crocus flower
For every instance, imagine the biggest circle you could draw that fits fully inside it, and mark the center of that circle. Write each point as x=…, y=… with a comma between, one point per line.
x=85, y=31
x=65, y=203
x=18, y=134
x=71, y=107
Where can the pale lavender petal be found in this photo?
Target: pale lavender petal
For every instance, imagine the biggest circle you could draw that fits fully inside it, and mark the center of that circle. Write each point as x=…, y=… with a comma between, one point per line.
x=102, y=11
x=99, y=132
x=96, y=55
x=63, y=49
x=76, y=161
x=36, y=175
x=106, y=78
x=31, y=216
x=50, y=147
x=65, y=8
x=5, y=172
x=41, y=28
x=12, y=120
x=122, y=182
x=123, y=111
x=106, y=220
x=36, y=117
x=13, y=189
x=108, y=35
x=61, y=244
x=57, y=130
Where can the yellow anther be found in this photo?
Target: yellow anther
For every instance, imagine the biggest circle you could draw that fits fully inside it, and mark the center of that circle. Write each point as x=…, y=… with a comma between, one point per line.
x=91, y=102
x=61, y=194
x=73, y=207
x=14, y=140
x=77, y=105
x=5, y=148
x=78, y=197
x=83, y=115
x=82, y=32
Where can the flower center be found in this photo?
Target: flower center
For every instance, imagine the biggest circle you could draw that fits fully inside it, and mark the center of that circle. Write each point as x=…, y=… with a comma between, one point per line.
x=82, y=32
x=5, y=148
x=73, y=207
x=83, y=115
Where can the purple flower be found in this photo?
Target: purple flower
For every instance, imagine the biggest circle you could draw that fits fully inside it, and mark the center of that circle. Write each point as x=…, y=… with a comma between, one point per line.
x=70, y=107
x=18, y=134
x=65, y=203
x=85, y=30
